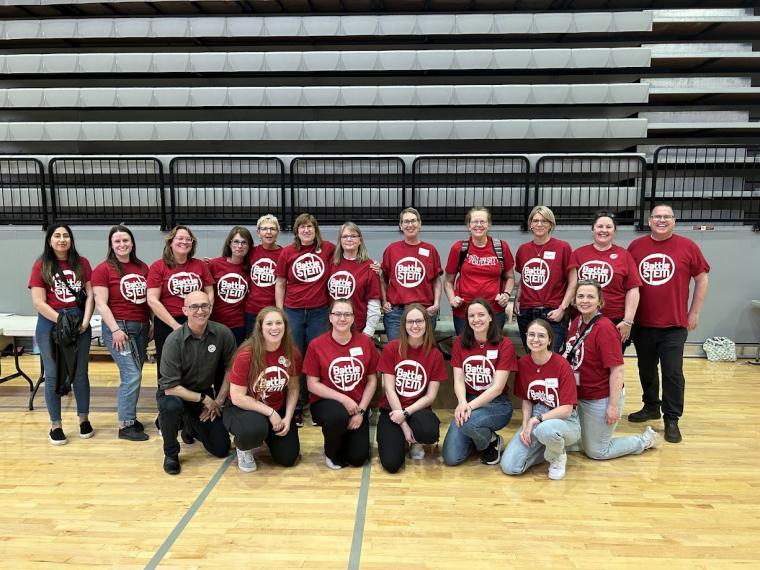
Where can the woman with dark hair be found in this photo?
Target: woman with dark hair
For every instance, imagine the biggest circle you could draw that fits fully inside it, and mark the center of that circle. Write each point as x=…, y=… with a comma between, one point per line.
x=230, y=274
x=413, y=370
x=264, y=391
x=262, y=260
x=120, y=286
x=547, y=278
x=481, y=358
x=614, y=269
x=340, y=368
x=58, y=278
x=546, y=386
x=301, y=288
x=352, y=277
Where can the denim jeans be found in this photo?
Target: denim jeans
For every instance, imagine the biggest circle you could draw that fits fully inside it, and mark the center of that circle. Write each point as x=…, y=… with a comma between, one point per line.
x=306, y=325
x=560, y=329
x=596, y=434
x=392, y=322
x=81, y=383
x=547, y=442
x=477, y=431
x=459, y=322
x=130, y=366
x=250, y=321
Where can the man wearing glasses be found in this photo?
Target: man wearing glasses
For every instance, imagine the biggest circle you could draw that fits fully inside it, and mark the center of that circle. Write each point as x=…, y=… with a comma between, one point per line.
x=191, y=386
x=667, y=263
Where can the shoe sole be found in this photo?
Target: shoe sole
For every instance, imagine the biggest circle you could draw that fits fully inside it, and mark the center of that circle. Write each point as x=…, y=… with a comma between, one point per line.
x=125, y=438
x=57, y=442
x=555, y=478
x=247, y=469
x=87, y=435
x=641, y=419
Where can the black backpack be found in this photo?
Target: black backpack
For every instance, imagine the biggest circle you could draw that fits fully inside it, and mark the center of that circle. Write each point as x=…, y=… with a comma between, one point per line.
x=498, y=250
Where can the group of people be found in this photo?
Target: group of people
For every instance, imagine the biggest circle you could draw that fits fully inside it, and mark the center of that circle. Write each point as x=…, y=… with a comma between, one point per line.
x=245, y=342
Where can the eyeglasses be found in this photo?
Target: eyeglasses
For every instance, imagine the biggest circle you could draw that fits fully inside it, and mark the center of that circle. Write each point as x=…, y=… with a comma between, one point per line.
x=409, y=222
x=342, y=315
x=184, y=240
x=540, y=222
x=195, y=308
x=415, y=322
x=476, y=223
x=350, y=236
x=239, y=242
x=662, y=218
x=268, y=229
x=537, y=335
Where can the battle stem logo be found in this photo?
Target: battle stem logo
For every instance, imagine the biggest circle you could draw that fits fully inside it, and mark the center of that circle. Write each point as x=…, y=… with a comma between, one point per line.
x=657, y=269
x=410, y=272
x=346, y=372
x=596, y=270
x=183, y=283
x=535, y=274
x=134, y=288
x=231, y=288
x=61, y=291
x=411, y=378
x=478, y=372
x=308, y=268
x=262, y=272
x=341, y=285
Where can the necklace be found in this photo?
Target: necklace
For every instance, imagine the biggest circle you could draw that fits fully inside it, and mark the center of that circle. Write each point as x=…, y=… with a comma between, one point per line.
x=539, y=248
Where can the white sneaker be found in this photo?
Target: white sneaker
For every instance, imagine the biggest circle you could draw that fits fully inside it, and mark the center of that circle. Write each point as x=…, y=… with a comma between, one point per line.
x=416, y=451
x=651, y=438
x=246, y=462
x=557, y=467
x=331, y=465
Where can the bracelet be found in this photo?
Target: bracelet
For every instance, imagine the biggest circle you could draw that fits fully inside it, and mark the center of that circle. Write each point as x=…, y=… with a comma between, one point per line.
x=626, y=321
x=270, y=415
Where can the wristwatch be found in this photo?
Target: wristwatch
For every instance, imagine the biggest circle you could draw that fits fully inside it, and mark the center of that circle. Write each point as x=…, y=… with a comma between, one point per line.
x=540, y=418
x=406, y=414
x=361, y=411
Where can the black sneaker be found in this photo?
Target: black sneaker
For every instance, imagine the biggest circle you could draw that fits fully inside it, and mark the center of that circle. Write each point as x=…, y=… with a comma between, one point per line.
x=85, y=430
x=187, y=435
x=299, y=419
x=672, y=433
x=57, y=437
x=648, y=412
x=138, y=425
x=171, y=464
x=131, y=433
x=491, y=454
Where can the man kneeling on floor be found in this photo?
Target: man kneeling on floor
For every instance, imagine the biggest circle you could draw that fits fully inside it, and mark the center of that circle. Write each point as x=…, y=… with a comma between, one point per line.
x=192, y=387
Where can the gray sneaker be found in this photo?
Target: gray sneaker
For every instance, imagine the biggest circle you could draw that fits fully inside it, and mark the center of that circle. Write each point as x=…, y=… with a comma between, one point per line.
x=651, y=438
x=557, y=467
x=246, y=462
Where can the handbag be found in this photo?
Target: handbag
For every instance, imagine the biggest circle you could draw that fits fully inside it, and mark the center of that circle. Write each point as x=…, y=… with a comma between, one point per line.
x=720, y=349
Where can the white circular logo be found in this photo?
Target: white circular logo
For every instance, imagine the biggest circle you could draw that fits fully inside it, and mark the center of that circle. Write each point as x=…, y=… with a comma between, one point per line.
x=577, y=360
x=478, y=371
x=60, y=290
x=341, y=285
x=346, y=372
x=535, y=274
x=134, y=288
x=539, y=391
x=212, y=348
x=657, y=269
x=183, y=283
x=411, y=378
x=308, y=268
x=262, y=272
x=276, y=379
x=596, y=270
x=410, y=272
x=231, y=288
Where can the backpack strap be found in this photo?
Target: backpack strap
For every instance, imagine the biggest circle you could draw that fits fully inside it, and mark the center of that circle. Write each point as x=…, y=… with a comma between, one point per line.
x=499, y=251
x=463, y=254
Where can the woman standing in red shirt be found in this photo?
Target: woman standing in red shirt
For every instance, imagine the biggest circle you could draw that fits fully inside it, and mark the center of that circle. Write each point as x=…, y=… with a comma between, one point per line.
x=262, y=260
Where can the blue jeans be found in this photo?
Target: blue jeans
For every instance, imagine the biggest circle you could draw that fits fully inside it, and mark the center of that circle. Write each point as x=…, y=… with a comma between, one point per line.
x=81, y=383
x=459, y=322
x=392, y=322
x=560, y=329
x=596, y=434
x=250, y=321
x=306, y=325
x=547, y=442
x=130, y=366
x=477, y=431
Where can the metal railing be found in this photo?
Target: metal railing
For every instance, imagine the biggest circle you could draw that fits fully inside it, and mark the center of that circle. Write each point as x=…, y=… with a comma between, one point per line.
x=237, y=189
x=23, y=199
x=107, y=189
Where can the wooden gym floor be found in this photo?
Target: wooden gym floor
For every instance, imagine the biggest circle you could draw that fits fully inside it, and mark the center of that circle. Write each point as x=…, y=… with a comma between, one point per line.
x=107, y=502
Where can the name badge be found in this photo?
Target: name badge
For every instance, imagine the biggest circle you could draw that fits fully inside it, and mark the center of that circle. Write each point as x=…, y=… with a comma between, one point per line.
x=614, y=256
x=552, y=382
x=212, y=348
x=577, y=378
x=492, y=354
x=424, y=251
x=550, y=254
x=355, y=351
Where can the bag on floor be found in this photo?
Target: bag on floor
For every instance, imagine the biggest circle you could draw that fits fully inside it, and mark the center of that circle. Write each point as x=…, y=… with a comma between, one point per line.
x=720, y=349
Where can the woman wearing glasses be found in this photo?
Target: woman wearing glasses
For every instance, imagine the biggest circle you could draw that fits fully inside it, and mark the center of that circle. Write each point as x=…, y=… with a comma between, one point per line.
x=230, y=273
x=479, y=267
x=340, y=368
x=413, y=370
x=262, y=261
x=352, y=277
x=547, y=277
x=411, y=271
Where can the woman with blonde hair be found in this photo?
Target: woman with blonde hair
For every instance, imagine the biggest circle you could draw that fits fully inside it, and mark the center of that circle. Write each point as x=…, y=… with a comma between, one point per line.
x=262, y=260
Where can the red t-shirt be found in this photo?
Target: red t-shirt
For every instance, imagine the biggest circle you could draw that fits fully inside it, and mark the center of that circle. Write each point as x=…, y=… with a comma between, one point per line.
x=480, y=275
x=551, y=384
x=614, y=269
x=599, y=351
x=306, y=271
x=355, y=281
x=666, y=268
x=278, y=371
x=57, y=295
x=230, y=292
x=344, y=368
x=178, y=282
x=479, y=365
x=127, y=293
x=262, y=262
x=412, y=373
x=411, y=271
x=543, y=270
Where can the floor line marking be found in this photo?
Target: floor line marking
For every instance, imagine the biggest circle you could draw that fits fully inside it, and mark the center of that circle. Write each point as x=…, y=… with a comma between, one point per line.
x=361, y=511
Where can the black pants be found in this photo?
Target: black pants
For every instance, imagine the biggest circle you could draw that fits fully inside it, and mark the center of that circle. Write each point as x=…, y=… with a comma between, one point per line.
x=342, y=445
x=391, y=444
x=663, y=346
x=251, y=429
x=174, y=412
x=526, y=316
x=161, y=332
x=628, y=342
